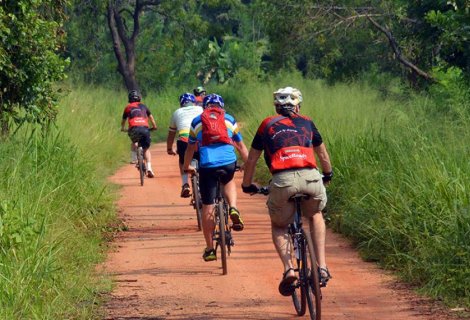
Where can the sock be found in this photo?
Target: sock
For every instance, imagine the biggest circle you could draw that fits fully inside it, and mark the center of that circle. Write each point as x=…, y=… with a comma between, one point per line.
x=184, y=177
x=133, y=156
x=149, y=166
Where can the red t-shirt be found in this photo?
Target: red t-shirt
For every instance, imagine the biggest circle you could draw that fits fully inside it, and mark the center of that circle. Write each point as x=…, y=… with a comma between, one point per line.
x=287, y=143
x=137, y=114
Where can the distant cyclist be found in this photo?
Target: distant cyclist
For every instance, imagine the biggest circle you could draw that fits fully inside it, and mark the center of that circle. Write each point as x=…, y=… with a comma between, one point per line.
x=179, y=126
x=199, y=93
x=137, y=114
x=290, y=142
x=217, y=135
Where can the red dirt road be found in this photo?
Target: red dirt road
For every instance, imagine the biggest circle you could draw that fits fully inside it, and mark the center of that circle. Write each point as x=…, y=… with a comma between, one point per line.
x=160, y=274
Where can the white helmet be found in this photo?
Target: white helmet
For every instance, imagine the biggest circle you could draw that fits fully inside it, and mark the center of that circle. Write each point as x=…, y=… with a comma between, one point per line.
x=287, y=95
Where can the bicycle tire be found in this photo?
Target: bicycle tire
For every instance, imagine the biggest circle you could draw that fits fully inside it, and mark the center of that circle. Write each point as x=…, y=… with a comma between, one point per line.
x=197, y=202
x=222, y=242
x=140, y=159
x=298, y=296
x=312, y=285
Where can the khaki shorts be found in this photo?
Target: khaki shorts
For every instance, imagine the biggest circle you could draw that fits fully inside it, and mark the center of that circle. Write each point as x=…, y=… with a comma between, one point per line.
x=287, y=183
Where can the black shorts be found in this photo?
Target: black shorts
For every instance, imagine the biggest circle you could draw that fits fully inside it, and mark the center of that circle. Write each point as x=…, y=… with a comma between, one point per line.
x=181, y=147
x=141, y=135
x=208, y=181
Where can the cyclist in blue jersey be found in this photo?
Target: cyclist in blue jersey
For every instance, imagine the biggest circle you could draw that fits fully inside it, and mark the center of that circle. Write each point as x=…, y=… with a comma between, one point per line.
x=216, y=151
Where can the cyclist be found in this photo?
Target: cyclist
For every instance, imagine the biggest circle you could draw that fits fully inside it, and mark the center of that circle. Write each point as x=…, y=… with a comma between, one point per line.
x=214, y=156
x=137, y=114
x=199, y=93
x=290, y=142
x=179, y=125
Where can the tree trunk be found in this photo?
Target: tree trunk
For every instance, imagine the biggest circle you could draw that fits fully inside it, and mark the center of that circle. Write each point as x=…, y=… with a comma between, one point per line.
x=126, y=60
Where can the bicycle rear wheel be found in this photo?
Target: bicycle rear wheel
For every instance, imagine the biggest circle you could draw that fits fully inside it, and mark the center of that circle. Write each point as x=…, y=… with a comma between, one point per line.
x=140, y=159
x=312, y=284
x=197, y=202
x=222, y=240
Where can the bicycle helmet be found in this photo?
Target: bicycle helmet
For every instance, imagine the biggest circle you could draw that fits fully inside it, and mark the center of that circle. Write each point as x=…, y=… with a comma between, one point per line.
x=134, y=96
x=187, y=99
x=199, y=90
x=213, y=99
x=286, y=99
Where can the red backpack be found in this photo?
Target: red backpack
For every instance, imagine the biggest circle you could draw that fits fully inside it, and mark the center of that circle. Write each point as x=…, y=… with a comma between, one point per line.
x=214, y=129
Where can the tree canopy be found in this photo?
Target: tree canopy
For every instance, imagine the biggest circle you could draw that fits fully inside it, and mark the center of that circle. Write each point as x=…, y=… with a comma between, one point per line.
x=31, y=38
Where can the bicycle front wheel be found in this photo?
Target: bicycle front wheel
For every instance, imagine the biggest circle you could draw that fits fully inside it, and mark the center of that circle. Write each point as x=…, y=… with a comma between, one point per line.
x=222, y=240
x=298, y=296
x=312, y=285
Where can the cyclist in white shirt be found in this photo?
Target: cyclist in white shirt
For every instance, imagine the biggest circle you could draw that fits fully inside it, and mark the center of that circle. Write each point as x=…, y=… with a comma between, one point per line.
x=179, y=126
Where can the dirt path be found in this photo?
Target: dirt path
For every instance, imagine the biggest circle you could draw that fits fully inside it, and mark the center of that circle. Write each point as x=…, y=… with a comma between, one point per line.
x=160, y=274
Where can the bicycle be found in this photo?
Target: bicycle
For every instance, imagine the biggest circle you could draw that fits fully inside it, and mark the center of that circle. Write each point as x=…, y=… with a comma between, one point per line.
x=196, y=200
x=222, y=236
x=140, y=162
x=141, y=166
x=307, y=288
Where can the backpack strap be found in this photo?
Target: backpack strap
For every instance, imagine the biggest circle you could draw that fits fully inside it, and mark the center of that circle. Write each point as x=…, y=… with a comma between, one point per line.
x=271, y=122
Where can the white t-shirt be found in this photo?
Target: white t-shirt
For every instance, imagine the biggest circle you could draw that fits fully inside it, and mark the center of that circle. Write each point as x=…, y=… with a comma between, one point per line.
x=181, y=120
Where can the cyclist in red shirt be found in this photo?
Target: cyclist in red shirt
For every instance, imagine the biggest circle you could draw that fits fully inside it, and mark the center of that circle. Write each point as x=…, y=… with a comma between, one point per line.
x=290, y=142
x=137, y=115
x=199, y=93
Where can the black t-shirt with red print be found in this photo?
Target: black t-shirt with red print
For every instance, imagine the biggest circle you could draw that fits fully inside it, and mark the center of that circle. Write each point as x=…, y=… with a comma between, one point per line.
x=137, y=114
x=287, y=142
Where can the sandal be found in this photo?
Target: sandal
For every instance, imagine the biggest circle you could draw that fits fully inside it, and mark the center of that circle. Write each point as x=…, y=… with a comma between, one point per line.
x=287, y=287
x=324, y=275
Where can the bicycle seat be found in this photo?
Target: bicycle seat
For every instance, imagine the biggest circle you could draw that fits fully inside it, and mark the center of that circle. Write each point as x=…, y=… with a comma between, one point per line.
x=220, y=172
x=300, y=196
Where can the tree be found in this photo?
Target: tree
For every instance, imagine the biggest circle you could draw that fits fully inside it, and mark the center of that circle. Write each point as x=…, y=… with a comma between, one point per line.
x=345, y=37
x=121, y=14
x=31, y=39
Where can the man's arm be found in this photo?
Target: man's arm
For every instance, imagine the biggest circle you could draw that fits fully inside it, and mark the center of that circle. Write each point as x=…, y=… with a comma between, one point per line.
x=324, y=158
x=188, y=155
x=250, y=166
x=154, y=124
x=169, y=141
x=123, y=125
x=242, y=149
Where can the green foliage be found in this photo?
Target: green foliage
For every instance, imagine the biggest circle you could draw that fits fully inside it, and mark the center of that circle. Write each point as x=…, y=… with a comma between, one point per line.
x=30, y=39
x=335, y=40
x=55, y=207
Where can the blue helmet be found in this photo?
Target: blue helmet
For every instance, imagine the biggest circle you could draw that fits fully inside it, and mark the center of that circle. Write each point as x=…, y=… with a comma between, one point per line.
x=213, y=99
x=186, y=98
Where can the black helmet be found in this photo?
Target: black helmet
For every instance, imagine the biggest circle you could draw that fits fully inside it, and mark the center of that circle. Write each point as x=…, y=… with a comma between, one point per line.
x=134, y=96
x=199, y=90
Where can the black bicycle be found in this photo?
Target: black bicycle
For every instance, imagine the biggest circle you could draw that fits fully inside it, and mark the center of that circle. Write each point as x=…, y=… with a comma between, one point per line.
x=196, y=200
x=222, y=236
x=140, y=162
x=307, y=288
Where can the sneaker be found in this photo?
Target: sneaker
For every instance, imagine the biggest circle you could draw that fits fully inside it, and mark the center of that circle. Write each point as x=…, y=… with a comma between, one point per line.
x=150, y=174
x=324, y=275
x=237, y=222
x=185, y=191
x=209, y=255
